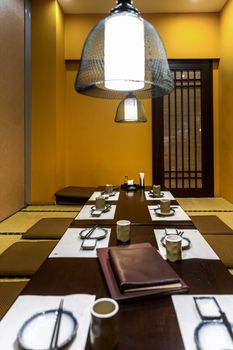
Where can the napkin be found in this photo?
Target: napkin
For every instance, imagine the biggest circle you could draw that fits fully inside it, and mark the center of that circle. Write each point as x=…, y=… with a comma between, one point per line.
x=166, y=195
x=188, y=317
x=199, y=248
x=27, y=305
x=85, y=214
x=69, y=245
x=115, y=197
x=179, y=214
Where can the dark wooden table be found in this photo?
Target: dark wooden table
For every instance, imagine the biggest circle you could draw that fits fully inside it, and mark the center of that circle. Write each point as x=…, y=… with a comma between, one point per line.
x=147, y=324
x=132, y=206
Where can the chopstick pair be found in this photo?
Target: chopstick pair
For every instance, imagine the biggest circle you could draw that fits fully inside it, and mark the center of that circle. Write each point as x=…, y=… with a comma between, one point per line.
x=89, y=233
x=54, y=340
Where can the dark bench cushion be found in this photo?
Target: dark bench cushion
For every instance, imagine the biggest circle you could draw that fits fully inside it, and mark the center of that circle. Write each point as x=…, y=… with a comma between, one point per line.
x=24, y=258
x=74, y=194
x=210, y=225
x=8, y=293
x=223, y=246
x=48, y=228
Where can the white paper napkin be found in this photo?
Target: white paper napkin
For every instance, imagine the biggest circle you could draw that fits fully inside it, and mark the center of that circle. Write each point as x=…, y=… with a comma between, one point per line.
x=106, y=196
x=179, y=214
x=188, y=317
x=199, y=248
x=85, y=214
x=166, y=195
x=69, y=245
x=27, y=305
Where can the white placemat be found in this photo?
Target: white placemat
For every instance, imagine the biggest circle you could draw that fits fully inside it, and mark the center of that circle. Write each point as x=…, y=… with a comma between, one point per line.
x=85, y=214
x=179, y=214
x=115, y=197
x=166, y=195
x=69, y=245
x=27, y=305
x=188, y=317
x=199, y=248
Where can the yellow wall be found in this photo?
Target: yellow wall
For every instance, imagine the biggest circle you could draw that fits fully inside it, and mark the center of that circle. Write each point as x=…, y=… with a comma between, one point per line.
x=48, y=81
x=82, y=134
x=12, y=154
x=60, y=100
x=226, y=101
x=217, y=190
x=101, y=151
x=183, y=35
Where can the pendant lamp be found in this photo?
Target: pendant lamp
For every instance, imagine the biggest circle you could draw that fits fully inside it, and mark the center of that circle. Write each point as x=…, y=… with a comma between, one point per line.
x=130, y=110
x=123, y=53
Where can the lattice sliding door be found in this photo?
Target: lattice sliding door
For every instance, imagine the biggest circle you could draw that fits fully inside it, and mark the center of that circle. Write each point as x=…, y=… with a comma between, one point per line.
x=184, y=132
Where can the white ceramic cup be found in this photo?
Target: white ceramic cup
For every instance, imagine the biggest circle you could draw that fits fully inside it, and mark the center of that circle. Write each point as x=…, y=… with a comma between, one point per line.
x=165, y=206
x=156, y=190
x=123, y=230
x=108, y=189
x=104, y=324
x=173, y=247
x=100, y=203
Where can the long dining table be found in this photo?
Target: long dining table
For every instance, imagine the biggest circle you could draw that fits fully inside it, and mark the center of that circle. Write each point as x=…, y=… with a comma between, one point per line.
x=148, y=323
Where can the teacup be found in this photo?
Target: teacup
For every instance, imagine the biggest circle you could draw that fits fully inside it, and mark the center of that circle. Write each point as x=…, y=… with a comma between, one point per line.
x=104, y=324
x=165, y=206
x=100, y=203
x=156, y=190
x=123, y=230
x=173, y=247
x=109, y=189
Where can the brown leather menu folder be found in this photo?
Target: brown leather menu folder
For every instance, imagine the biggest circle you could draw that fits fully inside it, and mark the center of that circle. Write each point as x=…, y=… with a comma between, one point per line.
x=138, y=271
x=141, y=269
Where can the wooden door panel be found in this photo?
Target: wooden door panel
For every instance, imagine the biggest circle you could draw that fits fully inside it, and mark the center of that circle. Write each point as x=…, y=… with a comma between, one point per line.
x=183, y=131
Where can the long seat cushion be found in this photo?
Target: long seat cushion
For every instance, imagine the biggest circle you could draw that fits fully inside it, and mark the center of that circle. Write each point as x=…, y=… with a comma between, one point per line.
x=210, y=225
x=8, y=293
x=223, y=246
x=74, y=194
x=24, y=258
x=48, y=228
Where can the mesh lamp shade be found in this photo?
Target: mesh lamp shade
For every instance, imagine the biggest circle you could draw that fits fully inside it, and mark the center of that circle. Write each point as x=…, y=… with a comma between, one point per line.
x=123, y=53
x=130, y=110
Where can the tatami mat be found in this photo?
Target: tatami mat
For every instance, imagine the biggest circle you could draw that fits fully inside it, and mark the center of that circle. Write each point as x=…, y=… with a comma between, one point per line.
x=209, y=206
x=53, y=208
x=14, y=279
x=200, y=204
x=22, y=221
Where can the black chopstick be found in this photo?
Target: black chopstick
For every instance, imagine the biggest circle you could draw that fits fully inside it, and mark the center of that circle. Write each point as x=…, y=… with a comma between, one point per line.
x=54, y=340
x=89, y=233
x=226, y=323
x=224, y=319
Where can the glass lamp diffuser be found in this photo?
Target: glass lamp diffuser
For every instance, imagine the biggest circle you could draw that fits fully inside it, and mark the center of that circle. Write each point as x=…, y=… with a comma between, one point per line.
x=123, y=53
x=125, y=34
x=130, y=110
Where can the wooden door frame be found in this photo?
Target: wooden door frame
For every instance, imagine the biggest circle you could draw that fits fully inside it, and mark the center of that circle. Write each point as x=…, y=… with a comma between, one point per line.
x=207, y=132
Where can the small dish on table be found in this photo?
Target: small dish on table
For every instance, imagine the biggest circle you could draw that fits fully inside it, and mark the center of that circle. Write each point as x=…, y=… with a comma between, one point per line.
x=186, y=243
x=152, y=195
x=97, y=212
x=158, y=212
x=36, y=332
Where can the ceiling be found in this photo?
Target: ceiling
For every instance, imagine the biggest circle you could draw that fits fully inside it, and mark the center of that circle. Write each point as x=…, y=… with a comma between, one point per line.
x=144, y=6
